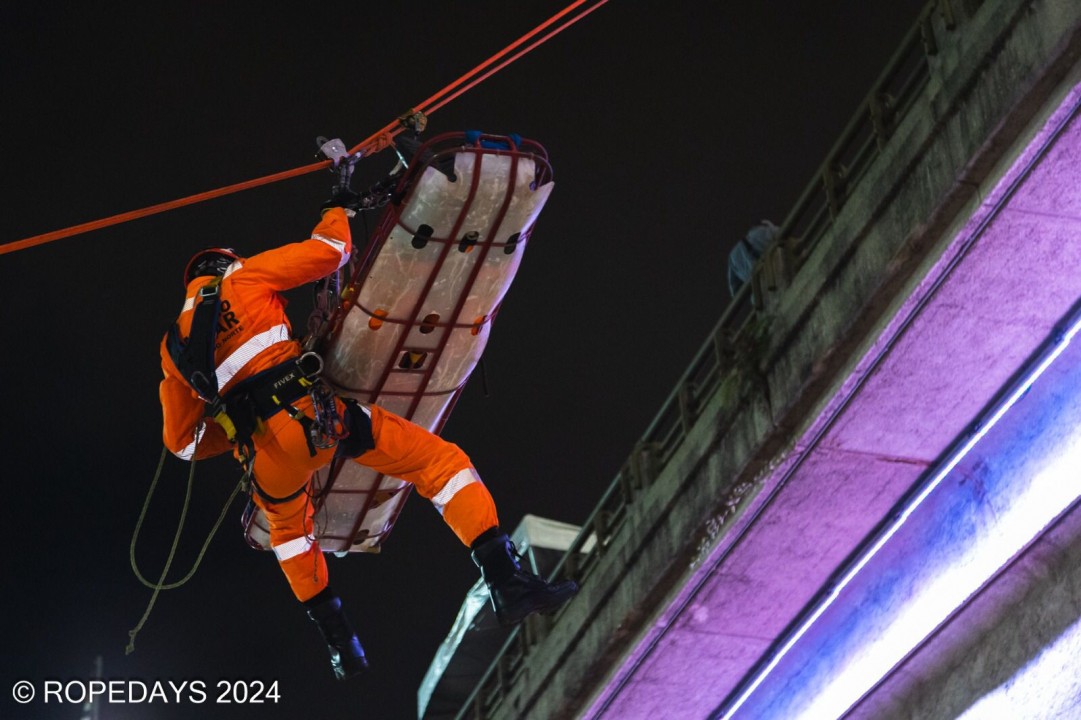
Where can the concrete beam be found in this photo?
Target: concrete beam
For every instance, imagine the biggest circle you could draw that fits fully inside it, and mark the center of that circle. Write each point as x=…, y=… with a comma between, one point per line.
x=615, y=644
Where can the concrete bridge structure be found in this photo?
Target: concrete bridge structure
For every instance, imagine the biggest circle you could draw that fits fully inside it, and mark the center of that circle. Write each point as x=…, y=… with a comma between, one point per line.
x=862, y=499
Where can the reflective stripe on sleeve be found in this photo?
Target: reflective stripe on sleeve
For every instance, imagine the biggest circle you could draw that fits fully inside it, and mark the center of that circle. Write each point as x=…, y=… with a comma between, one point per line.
x=188, y=451
x=252, y=347
x=334, y=243
x=292, y=548
x=457, y=481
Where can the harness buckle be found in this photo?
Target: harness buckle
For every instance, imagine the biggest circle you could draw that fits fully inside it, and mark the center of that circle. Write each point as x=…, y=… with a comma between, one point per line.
x=203, y=385
x=210, y=290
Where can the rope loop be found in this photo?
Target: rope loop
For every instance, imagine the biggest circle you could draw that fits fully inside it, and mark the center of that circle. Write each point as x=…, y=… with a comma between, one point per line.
x=160, y=585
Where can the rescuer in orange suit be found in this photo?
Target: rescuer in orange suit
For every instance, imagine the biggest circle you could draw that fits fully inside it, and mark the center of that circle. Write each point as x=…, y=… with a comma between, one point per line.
x=253, y=393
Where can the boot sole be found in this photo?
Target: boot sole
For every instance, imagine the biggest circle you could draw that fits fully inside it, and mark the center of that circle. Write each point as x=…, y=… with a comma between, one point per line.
x=546, y=607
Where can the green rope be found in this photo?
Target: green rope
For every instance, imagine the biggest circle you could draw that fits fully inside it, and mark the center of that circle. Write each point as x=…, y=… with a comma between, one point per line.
x=160, y=584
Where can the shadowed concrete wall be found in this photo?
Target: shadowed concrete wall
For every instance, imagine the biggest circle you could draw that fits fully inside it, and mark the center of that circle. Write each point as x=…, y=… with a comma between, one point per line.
x=994, y=79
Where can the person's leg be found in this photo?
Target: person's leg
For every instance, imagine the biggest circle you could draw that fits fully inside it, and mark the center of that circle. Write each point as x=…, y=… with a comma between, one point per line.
x=439, y=470
x=283, y=471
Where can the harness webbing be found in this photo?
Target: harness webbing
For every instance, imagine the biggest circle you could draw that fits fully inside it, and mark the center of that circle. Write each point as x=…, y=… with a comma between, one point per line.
x=194, y=358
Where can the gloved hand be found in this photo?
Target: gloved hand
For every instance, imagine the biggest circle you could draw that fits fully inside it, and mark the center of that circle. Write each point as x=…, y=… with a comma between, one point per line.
x=342, y=162
x=343, y=198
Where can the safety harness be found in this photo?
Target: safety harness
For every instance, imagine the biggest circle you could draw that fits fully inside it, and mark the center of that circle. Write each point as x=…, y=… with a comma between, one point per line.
x=243, y=411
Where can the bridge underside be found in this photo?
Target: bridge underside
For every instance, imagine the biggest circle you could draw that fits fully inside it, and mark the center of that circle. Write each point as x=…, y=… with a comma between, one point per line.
x=777, y=621
x=863, y=508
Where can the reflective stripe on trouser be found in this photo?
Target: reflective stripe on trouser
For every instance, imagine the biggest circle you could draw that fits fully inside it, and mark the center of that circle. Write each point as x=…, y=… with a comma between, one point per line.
x=440, y=471
x=282, y=465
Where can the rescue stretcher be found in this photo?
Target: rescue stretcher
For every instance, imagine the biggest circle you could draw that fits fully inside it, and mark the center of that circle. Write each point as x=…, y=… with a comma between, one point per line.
x=412, y=320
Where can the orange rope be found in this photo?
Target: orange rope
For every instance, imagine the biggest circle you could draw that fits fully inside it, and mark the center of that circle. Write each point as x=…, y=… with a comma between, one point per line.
x=517, y=55
x=154, y=209
x=424, y=106
x=373, y=144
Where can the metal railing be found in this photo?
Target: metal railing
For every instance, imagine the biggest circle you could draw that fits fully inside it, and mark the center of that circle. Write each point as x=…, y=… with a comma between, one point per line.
x=865, y=138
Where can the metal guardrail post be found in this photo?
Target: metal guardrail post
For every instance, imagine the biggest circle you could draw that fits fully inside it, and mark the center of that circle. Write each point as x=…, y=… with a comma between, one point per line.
x=927, y=35
x=881, y=109
x=571, y=566
x=833, y=181
x=686, y=417
x=628, y=482
x=600, y=527
x=724, y=346
x=645, y=463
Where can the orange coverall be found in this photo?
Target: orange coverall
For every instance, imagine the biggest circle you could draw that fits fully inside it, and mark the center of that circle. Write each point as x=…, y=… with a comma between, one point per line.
x=254, y=334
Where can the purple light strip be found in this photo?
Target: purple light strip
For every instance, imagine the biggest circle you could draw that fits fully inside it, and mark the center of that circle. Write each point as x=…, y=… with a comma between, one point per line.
x=982, y=428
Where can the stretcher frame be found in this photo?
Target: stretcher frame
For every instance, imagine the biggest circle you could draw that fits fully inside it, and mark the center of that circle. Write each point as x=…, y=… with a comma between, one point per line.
x=415, y=315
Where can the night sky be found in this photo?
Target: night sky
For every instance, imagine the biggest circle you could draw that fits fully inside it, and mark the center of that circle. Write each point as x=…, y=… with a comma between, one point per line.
x=672, y=127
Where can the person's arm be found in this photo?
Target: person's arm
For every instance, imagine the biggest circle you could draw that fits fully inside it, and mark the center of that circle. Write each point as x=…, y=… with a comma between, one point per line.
x=295, y=264
x=182, y=414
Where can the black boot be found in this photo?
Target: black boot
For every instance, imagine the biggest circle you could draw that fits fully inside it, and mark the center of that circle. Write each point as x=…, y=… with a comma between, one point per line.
x=346, y=654
x=516, y=593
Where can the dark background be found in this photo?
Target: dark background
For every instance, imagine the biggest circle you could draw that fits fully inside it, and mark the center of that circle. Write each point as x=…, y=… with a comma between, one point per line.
x=672, y=127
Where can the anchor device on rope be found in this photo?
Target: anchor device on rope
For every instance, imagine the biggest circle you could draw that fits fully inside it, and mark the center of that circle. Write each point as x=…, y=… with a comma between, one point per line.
x=342, y=162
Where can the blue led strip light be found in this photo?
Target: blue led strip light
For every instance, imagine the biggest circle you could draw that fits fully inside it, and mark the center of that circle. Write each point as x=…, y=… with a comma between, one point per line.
x=1049, y=350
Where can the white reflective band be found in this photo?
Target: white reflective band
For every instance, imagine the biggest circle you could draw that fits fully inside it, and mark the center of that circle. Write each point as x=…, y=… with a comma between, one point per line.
x=190, y=302
x=336, y=244
x=188, y=451
x=243, y=354
x=458, y=481
x=292, y=548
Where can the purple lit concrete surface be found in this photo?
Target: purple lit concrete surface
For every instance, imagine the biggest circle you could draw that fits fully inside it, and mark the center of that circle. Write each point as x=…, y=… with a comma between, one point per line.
x=1012, y=650
x=1009, y=275
x=1003, y=493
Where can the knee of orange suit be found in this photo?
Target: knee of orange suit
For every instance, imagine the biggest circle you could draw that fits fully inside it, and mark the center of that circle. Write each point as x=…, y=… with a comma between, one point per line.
x=287, y=520
x=304, y=566
x=290, y=538
x=407, y=451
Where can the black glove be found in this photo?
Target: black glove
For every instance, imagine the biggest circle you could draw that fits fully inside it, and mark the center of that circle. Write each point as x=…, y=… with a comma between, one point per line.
x=343, y=198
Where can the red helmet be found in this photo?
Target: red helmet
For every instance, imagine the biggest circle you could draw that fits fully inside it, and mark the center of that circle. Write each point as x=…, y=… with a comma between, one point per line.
x=209, y=261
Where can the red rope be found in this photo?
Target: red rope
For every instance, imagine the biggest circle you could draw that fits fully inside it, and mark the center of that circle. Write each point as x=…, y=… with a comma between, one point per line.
x=517, y=55
x=154, y=209
x=373, y=144
x=424, y=106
